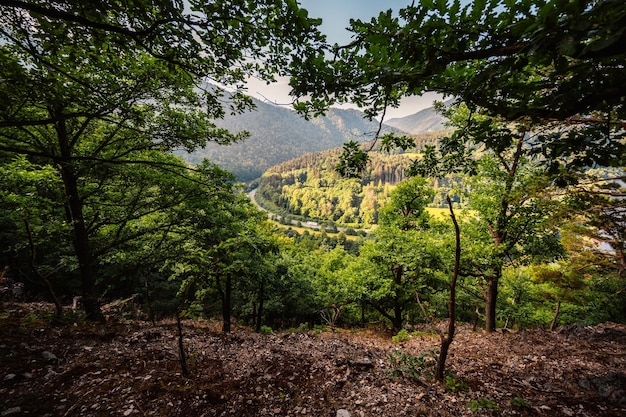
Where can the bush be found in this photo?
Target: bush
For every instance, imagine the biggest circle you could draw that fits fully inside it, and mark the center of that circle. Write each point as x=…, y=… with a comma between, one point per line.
x=482, y=403
x=412, y=366
x=266, y=330
x=401, y=336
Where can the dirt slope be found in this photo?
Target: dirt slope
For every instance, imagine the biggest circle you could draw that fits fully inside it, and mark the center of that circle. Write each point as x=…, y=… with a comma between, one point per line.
x=132, y=369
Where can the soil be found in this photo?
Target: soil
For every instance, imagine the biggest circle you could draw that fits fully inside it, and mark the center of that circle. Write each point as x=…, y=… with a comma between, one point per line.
x=132, y=368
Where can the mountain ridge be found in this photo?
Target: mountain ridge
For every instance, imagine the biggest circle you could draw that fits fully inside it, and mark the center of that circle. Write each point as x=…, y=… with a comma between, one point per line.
x=278, y=134
x=426, y=120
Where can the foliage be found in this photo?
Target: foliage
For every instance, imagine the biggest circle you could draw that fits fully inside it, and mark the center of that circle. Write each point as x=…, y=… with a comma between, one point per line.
x=406, y=206
x=482, y=403
x=411, y=366
x=529, y=300
x=455, y=384
x=97, y=96
x=514, y=217
x=401, y=337
x=96, y=89
x=596, y=210
x=266, y=330
x=519, y=402
x=513, y=59
x=543, y=88
x=407, y=257
x=309, y=188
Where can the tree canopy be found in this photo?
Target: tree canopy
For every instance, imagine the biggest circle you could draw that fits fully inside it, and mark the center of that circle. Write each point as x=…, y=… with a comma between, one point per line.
x=90, y=86
x=550, y=60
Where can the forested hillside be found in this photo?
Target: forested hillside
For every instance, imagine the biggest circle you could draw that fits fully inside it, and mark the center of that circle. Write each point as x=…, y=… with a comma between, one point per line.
x=310, y=188
x=135, y=283
x=279, y=134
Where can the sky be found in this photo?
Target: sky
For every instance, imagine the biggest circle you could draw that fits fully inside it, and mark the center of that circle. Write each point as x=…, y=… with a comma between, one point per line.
x=336, y=15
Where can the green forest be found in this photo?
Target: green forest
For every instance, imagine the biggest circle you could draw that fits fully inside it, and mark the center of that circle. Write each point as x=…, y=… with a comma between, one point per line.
x=95, y=204
x=98, y=99
x=309, y=188
x=135, y=282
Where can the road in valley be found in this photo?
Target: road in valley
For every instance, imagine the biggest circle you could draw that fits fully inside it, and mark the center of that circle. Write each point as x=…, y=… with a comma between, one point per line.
x=309, y=224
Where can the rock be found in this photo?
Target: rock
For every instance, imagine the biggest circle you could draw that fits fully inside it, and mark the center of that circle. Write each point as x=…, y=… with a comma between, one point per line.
x=610, y=386
x=11, y=411
x=363, y=363
x=9, y=377
x=49, y=356
x=51, y=374
x=343, y=413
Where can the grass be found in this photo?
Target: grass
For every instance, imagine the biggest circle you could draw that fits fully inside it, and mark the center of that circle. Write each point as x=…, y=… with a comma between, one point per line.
x=438, y=212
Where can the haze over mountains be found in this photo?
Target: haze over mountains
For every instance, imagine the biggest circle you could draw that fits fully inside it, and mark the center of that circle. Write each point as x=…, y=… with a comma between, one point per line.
x=278, y=134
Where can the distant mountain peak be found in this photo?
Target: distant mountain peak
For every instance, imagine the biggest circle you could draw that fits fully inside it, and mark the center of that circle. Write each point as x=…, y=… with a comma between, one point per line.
x=424, y=121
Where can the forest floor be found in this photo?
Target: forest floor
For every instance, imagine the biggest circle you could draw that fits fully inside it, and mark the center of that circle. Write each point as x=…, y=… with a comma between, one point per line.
x=132, y=368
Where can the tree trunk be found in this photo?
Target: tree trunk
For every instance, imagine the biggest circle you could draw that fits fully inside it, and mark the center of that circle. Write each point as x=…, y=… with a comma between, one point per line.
x=362, y=314
x=151, y=316
x=82, y=246
x=446, y=341
x=181, y=346
x=254, y=317
x=490, y=303
x=398, y=270
x=226, y=301
x=556, y=316
x=74, y=210
x=383, y=313
x=259, y=313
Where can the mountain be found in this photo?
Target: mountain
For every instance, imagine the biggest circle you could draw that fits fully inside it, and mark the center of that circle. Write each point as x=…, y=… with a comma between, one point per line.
x=278, y=134
x=427, y=120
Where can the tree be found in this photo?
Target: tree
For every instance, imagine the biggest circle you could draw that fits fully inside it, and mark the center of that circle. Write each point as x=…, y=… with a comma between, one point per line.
x=406, y=257
x=32, y=228
x=447, y=338
x=596, y=209
x=406, y=208
x=516, y=221
x=333, y=284
x=555, y=61
x=92, y=86
x=221, y=247
x=245, y=258
x=514, y=218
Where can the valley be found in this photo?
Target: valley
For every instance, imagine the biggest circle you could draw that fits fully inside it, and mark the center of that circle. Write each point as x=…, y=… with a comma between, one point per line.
x=308, y=188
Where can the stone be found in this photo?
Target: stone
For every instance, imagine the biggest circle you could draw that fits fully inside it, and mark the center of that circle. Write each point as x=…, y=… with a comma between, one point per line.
x=343, y=413
x=49, y=356
x=51, y=374
x=363, y=363
x=11, y=411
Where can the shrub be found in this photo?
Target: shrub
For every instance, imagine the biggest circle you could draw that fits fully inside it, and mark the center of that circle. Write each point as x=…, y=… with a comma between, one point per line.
x=519, y=402
x=482, y=403
x=401, y=336
x=413, y=366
